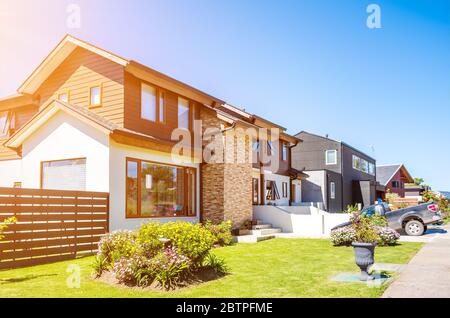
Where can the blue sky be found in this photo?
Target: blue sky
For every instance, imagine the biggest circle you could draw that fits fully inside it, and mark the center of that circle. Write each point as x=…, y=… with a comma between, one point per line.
x=307, y=65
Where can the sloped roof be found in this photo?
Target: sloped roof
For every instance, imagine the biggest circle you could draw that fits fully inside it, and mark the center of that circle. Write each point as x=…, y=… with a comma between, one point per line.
x=386, y=172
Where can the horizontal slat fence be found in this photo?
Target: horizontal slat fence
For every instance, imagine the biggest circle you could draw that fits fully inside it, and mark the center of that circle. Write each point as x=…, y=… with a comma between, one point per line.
x=52, y=225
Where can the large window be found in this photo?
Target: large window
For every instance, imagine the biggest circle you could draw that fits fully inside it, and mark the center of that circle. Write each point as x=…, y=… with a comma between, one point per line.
x=183, y=113
x=67, y=174
x=158, y=190
x=3, y=124
x=285, y=189
x=331, y=157
x=255, y=191
x=363, y=165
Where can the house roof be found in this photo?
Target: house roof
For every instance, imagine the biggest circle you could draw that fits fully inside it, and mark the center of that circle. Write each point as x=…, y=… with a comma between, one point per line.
x=338, y=141
x=69, y=43
x=385, y=173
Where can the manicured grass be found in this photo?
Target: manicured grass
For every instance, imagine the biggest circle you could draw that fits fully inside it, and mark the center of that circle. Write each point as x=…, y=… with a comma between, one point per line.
x=275, y=268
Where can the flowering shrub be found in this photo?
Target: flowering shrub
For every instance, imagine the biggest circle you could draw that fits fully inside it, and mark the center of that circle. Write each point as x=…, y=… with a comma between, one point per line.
x=221, y=232
x=387, y=236
x=163, y=253
x=343, y=236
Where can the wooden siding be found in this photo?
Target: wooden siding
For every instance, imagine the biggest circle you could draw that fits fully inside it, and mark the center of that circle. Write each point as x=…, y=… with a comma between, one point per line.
x=133, y=120
x=52, y=225
x=21, y=116
x=81, y=71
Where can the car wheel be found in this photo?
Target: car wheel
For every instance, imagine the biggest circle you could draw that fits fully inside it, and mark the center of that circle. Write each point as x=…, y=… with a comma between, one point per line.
x=414, y=228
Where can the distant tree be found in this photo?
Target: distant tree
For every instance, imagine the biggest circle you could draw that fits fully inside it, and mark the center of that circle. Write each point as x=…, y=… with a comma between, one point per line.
x=418, y=181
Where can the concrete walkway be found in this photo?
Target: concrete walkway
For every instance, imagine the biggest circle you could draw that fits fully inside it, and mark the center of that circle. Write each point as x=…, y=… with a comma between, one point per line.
x=428, y=274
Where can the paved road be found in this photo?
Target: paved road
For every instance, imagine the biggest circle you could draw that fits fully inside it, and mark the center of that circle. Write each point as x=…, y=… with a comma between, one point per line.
x=428, y=273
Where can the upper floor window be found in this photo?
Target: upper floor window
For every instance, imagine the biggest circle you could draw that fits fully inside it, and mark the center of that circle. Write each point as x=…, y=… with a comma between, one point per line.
x=183, y=113
x=363, y=165
x=331, y=157
x=161, y=107
x=95, y=96
x=64, y=97
x=148, y=102
x=285, y=152
x=371, y=168
x=396, y=184
x=3, y=124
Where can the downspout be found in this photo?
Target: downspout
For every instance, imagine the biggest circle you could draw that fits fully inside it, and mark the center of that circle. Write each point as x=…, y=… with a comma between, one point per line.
x=342, y=178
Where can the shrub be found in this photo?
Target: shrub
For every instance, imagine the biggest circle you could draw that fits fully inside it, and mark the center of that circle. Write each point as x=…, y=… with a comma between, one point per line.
x=221, y=232
x=125, y=269
x=351, y=209
x=100, y=264
x=118, y=244
x=170, y=267
x=346, y=235
x=4, y=225
x=192, y=240
x=364, y=229
x=215, y=263
x=387, y=236
x=149, y=238
x=343, y=236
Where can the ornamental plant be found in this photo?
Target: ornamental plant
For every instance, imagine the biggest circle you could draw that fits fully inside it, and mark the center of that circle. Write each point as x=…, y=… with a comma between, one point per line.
x=364, y=229
x=221, y=232
x=4, y=225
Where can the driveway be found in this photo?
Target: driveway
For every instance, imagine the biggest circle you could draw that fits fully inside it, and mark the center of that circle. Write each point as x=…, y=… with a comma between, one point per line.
x=428, y=274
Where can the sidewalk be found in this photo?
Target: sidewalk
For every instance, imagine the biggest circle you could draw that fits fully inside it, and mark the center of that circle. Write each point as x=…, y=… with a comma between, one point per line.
x=428, y=273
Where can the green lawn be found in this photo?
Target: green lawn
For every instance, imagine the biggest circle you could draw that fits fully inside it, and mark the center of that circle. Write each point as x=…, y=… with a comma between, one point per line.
x=275, y=268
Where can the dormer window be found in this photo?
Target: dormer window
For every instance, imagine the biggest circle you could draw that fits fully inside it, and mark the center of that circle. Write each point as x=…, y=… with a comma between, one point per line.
x=285, y=152
x=95, y=96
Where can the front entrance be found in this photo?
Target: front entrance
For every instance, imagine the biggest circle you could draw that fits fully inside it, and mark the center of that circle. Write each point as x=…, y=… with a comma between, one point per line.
x=296, y=192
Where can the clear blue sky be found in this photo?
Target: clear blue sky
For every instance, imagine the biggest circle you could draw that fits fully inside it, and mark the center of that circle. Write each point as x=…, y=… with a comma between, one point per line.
x=308, y=65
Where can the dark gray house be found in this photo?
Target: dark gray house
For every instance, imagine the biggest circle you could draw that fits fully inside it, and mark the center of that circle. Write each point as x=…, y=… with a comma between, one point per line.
x=339, y=175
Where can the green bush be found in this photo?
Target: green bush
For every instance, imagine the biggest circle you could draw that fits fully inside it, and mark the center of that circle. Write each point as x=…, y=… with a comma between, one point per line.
x=119, y=244
x=221, y=232
x=193, y=240
x=215, y=263
x=4, y=225
x=149, y=238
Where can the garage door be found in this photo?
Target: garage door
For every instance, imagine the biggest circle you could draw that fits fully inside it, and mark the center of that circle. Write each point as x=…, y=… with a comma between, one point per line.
x=64, y=174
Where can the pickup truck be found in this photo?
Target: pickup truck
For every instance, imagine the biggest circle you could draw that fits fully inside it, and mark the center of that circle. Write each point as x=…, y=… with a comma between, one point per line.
x=413, y=220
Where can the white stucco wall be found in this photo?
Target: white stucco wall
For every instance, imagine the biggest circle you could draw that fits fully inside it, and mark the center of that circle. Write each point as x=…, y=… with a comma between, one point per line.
x=314, y=187
x=118, y=155
x=306, y=221
x=279, y=179
x=10, y=172
x=66, y=137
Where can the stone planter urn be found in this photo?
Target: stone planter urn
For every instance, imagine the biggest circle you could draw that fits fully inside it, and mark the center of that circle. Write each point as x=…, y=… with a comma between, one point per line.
x=364, y=257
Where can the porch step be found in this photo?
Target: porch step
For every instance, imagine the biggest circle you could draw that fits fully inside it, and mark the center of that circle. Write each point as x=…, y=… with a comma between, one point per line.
x=261, y=226
x=261, y=232
x=252, y=238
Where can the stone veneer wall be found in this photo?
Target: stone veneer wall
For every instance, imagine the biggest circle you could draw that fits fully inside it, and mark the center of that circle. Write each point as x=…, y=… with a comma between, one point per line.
x=226, y=187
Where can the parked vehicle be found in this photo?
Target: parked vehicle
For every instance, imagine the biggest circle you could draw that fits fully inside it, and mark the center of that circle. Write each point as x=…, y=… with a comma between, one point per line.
x=413, y=220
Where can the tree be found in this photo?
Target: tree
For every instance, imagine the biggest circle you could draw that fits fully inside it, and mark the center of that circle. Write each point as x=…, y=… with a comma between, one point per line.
x=418, y=181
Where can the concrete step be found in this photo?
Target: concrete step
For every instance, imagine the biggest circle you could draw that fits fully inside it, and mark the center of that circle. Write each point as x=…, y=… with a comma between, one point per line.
x=261, y=226
x=261, y=232
x=251, y=238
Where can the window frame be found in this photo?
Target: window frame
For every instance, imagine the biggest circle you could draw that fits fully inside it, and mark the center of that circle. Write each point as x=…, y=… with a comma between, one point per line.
x=255, y=191
x=284, y=189
x=139, y=194
x=67, y=92
x=189, y=107
x=6, y=128
x=160, y=95
x=284, y=152
x=332, y=190
x=100, y=86
x=335, y=157
x=41, y=181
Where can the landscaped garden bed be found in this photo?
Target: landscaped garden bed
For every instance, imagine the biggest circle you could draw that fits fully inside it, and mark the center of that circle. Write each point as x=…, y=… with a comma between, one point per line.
x=162, y=256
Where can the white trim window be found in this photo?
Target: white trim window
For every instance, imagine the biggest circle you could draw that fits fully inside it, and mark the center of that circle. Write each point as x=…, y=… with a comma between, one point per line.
x=148, y=102
x=332, y=190
x=183, y=113
x=331, y=157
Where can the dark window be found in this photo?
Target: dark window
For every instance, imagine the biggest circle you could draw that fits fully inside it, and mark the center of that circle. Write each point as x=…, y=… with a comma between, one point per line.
x=285, y=189
x=396, y=184
x=255, y=191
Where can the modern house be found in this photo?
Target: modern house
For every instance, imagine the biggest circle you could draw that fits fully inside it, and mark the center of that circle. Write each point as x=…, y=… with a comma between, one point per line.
x=87, y=119
x=393, y=178
x=338, y=174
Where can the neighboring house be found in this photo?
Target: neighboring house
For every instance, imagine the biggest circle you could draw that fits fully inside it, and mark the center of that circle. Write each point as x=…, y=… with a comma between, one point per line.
x=87, y=119
x=393, y=178
x=415, y=191
x=338, y=174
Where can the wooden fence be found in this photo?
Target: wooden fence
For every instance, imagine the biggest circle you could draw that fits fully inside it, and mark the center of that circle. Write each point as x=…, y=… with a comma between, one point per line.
x=52, y=225
x=399, y=203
